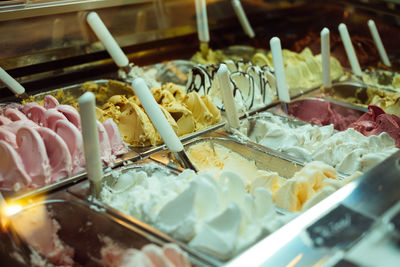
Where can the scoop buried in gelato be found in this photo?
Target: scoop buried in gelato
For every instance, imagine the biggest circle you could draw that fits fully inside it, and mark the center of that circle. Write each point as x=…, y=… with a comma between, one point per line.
x=40, y=145
x=186, y=113
x=254, y=86
x=347, y=151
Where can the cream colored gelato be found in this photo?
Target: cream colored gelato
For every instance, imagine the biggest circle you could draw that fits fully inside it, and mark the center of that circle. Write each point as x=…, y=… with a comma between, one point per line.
x=381, y=78
x=347, y=151
x=216, y=158
x=388, y=101
x=303, y=70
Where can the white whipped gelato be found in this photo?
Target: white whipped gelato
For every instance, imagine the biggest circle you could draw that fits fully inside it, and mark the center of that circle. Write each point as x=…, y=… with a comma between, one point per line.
x=348, y=151
x=254, y=86
x=218, y=217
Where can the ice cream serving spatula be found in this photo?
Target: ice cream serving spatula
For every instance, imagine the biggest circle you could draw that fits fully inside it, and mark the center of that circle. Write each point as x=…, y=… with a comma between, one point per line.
x=350, y=52
x=326, y=56
x=161, y=123
x=378, y=42
x=283, y=89
x=129, y=70
x=237, y=7
x=12, y=84
x=202, y=26
x=91, y=143
x=227, y=96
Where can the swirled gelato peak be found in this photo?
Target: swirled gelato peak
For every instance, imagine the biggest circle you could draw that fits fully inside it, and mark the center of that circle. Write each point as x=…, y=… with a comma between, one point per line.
x=254, y=86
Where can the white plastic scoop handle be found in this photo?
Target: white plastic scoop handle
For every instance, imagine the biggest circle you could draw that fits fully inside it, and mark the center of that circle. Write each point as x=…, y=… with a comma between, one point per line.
x=11, y=83
x=202, y=21
x=227, y=96
x=348, y=46
x=156, y=115
x=378, y=42
x=107, y=40
x=326, y=58
x=87, y=111
x=237, y=6
x=276, y=49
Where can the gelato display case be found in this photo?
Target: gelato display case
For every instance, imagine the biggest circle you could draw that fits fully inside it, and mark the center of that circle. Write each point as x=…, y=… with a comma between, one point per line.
x=311, y=182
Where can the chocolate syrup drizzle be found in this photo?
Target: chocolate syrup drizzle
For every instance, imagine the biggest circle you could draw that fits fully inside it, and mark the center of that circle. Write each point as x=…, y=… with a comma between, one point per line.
x=202, y=77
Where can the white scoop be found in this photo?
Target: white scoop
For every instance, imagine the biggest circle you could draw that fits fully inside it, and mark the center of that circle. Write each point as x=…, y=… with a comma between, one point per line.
x=202, y=21
x=348, y=46
x=283, y=89
x=11, y=83
x=87, y=110
x=378, y=42
x=227, y=96
x=107, y=40
x=326, y=58
x=237, y=6
x=161, y=123
x=156, y=115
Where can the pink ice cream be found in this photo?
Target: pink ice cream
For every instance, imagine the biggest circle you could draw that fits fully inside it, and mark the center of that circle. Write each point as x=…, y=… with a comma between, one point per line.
x=40, y=145
x=376, y=121
x=322, y=113
x=150, y=255
x=40, y=231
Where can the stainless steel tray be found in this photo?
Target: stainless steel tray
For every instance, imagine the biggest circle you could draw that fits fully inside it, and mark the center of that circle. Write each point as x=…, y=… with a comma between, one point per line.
x=82, y=190
x=83, y=225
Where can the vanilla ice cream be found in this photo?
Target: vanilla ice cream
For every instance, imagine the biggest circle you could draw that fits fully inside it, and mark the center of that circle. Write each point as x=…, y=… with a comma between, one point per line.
x=216, y=216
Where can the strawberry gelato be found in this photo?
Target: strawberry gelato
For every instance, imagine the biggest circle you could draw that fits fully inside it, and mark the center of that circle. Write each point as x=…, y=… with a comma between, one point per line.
x=42, y=144
x=323, y=113
x=376, y=121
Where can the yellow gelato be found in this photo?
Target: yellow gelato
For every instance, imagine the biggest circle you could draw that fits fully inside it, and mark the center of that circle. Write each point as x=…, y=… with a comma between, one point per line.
x=211, y=57
x=216, y=158
x=315, y=181
x=388, y=101
x=382, y=79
